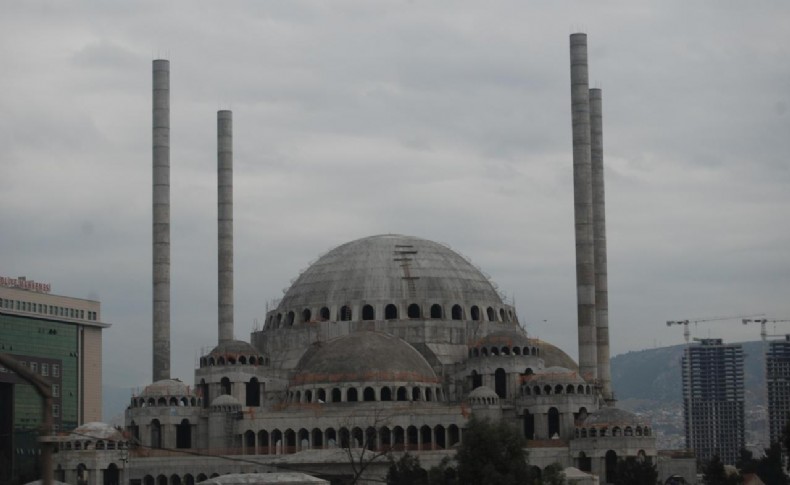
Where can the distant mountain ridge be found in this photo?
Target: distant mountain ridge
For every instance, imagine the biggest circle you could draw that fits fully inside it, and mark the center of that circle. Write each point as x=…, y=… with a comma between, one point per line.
x=655, y=374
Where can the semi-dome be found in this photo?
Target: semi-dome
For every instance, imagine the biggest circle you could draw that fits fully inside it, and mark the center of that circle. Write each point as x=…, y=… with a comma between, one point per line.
x=389, y=268
x=611, y=416
x=97, y=431
x=225, y=400
x=554, y=356
x=364, y=356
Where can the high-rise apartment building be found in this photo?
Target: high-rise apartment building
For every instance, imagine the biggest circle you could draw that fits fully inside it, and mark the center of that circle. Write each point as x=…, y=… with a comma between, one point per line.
x=59, y=338
x=713, y=399
x=777, y=379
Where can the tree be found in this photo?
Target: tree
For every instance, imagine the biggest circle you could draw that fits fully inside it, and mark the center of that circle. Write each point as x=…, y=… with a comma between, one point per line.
x=407, y=471
x=713, y=473
x=746, y=462
x=443, y=474
x=492, y=454
x=552, y=475
x=630, y=470
x=769, y=467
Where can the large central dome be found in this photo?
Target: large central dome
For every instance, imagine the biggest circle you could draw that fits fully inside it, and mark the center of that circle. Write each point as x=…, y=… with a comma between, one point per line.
x=388, y=268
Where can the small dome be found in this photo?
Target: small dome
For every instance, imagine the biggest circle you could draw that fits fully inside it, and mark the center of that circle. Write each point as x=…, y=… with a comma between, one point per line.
x=614, y=417
x=96, y=431
x=504, y=338
x=482, y=392
x=166, y=387
x=225, y=400
x=364, y=356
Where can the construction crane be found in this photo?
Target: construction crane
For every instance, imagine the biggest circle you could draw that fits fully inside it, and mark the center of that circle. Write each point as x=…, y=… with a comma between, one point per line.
x=685, y=323
x=762, y=322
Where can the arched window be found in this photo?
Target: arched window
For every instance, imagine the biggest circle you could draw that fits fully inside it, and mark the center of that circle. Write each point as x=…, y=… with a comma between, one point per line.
x=368, y=313
x=490, y=314
x=351, y=395
x=554, y=422
x=475, y=313
x=502, y=317
x=428, y=394
x=516, y=350
x=224, y=385
x=318, y=439
x=500, y=383
x=368, y=394
x=306, y=315
x=242, y=360
x=529, y=425
x=390, y=312
x=402, y=394
x=457, y=312
x=263, y=442
x=415, y=394
x=611, y=465
x=290, y=320
x=494, y=351
x=569, y=389
x=253, y=392
x=249, y=442
x=184, y=434
x=336, y=395
x=156, y=434
x=413, y=311
x=279, y=319
x=386, y=394
x=321, y=395
x=477, y=380
x=345, y=313
x=323, y=314
x=558, y=389
x=436, y=311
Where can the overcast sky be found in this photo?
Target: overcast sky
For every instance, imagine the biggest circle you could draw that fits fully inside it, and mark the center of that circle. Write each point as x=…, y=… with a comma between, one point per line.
x=444, y=120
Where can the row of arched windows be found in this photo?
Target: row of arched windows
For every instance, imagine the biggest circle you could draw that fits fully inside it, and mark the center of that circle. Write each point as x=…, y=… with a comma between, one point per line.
x=187, y=479
x=384, y=438
x=600, y=432
x=368, y=312
x=367, y=394
x=548, y=389
x=495, y=351
x=82, y=445
x=172, y=401
x=232, y=360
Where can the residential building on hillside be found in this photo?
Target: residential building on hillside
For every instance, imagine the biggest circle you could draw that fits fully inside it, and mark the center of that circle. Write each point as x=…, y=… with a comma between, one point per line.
x=713, y=399
x=777, y=380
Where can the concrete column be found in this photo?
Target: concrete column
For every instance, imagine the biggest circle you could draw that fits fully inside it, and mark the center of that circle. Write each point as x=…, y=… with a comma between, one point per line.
x=161, y=220
x=599, y=236
x=583, y=213
x=225, y=223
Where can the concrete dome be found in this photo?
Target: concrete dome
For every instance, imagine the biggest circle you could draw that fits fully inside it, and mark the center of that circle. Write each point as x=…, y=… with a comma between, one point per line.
x=166, y=388
x=377, y=268
x=234, y=348
x=363, y=356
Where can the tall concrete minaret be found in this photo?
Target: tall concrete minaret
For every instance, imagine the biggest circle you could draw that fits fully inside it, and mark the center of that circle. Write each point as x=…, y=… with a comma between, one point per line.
x=599, y=236
x=583, y=210
x=225, y=224
x=161, y=219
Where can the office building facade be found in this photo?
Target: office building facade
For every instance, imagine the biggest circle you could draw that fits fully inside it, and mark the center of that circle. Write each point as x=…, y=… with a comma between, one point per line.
x=58, y=338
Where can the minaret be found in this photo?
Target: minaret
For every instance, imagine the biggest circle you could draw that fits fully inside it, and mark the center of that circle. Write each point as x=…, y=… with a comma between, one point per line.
x=161, y=220
x=599, y=236
x=225, y=224
x=583, y=212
